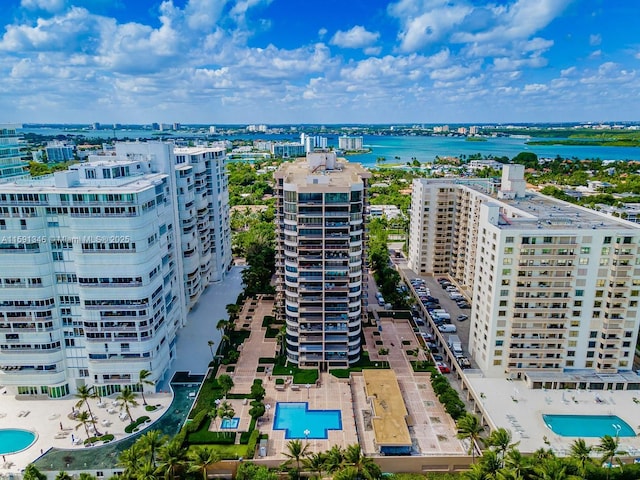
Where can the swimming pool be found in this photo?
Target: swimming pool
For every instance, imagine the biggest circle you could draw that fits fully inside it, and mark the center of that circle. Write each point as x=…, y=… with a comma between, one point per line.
x=13, y=440
x=588, y=425
x=230, y=422
x=300, y=422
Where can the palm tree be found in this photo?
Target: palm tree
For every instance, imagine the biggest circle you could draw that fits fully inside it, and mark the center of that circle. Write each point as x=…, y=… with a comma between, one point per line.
x=608, y=446
x=226, y=383
x=517, y=463
x=62, y=475
x=581, y=453
x=143, y=376
x=128, y=399
x=469, y=427
x=476, y=472
x=280, y=338
x=211, y=343
x=334, y=458
x=501, y=440
x=146, y=471
x=346, y=473
x=131, y=460
x=83, y=395
x=213, y=414
x=365, y=466
x=150, y=443
x=553, y=469
x=296, y=450
x=225, y=410
x=201, y=458
x=84, y=419
x=315, y=463
x=491, y=463
x=172, y=458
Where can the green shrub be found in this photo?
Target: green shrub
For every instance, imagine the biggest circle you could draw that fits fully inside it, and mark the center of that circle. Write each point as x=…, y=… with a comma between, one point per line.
x=269, y=360
x=253, y=441
x=260, y=369
x=279, y=381
x=133, y=426
x=150, y=408
x=205, y=437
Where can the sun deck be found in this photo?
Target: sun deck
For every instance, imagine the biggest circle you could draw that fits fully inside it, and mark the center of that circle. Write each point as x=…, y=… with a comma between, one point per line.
x=389, y=411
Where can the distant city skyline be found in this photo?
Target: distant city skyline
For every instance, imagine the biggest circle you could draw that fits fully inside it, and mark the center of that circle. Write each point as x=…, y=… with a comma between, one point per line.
x=319, y=62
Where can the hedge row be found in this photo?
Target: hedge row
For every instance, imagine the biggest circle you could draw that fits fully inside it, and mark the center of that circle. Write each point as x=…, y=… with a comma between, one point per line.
x=447, y=396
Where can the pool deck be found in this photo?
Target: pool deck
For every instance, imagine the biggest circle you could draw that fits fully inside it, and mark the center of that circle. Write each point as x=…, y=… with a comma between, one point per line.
x=44, y=417
x=433, y=430
x=524, y=416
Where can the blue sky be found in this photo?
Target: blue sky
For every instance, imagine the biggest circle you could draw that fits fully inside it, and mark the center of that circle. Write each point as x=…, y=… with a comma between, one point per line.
x=319, y=61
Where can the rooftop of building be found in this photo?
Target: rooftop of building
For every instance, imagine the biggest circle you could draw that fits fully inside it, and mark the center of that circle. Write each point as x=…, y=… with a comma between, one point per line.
x=198, y=149
x=534, y=210
x=390, y=413
x=336, y=173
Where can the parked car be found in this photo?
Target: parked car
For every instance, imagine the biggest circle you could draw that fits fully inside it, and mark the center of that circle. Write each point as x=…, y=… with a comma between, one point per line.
x=432, y=299
x=427, y=337
x=464, y=305
x=448, y=328
x=432, y=347
x=463, y=362
x=443, y=367
x=442, y=280
x=462, y=318
x=419, y=321
x=437, y=357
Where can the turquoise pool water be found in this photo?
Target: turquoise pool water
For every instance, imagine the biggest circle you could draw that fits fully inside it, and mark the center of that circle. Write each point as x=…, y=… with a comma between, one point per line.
x=230, y=423
x=13, y=440
x=588, y=425
x=296, y=418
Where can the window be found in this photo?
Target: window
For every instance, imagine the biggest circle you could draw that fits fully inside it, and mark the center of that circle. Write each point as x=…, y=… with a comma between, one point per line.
x=504, y=293
x=579, y=293
x=607, y=240
x=585, y=250
x=509, y=240
x=508, y=250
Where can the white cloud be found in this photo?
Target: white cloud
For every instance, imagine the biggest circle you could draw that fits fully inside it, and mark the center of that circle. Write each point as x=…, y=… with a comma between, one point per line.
x=595, y=54
x=568, y=71
x=46, y=5
x=595, y=40
x=356, y=37
x=322, y=32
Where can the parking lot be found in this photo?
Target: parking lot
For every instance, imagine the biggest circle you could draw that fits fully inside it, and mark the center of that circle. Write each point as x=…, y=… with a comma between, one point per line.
x=445, y=302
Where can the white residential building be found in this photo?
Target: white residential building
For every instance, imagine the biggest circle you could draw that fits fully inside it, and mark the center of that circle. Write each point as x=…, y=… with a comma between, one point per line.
x=320, y=258
x=287, y=150
x=101, y=262
x=12, y=162
x=554, y=287
x=350, y=144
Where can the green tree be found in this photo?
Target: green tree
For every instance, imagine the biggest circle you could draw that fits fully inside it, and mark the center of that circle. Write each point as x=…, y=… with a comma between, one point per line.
x=315, y=463
x=131, y=460
x=581, y=453
x=257, y=391
x=128, y=400
x=257, y=410
x=226, y=383
x=85, y=419
x=150, y=443
x=608, y=447
x=251, y=471
x=62, y=475
x=365, y=466
x=334, y=458
x=146, y=471
x=32, y=473
x=225, y=410
x=470, y=428
x=201, y=458
x=84, y=393
x=296, y=451
x=476, y=472
x=143, y=379
x=172, y=459
x=211, y=344
x=501, y=440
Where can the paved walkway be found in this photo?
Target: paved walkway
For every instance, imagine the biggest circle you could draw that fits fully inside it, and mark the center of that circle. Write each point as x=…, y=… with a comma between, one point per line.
x=193, y=352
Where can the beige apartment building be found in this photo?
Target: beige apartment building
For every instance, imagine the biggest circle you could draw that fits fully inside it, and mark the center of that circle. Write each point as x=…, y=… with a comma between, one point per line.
x=320, y=258
x=554, y=287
